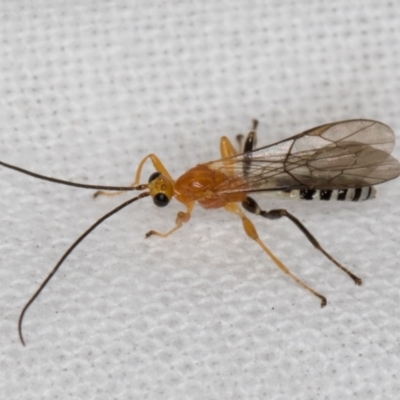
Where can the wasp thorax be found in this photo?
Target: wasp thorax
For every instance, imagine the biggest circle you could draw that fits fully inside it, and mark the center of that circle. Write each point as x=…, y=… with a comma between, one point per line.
x=161, y=189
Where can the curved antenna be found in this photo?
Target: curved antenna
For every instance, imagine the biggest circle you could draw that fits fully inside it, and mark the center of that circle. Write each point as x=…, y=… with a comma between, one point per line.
x=68, y=183
x=67, y=253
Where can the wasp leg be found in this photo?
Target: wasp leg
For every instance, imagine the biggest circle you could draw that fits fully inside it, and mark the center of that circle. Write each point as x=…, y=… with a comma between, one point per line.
x=104, y=193
x=249, y=145
x=250, y=205
x=252, y=233
x=226, y=148
x=239, y=139
x=251, y=139
x=158, y=165
x=181, y=218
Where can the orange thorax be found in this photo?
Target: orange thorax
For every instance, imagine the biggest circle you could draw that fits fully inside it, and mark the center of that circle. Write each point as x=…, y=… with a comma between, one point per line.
x=211, y=189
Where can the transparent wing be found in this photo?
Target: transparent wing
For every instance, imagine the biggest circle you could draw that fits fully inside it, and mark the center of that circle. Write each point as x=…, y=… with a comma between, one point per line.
x=341, y=155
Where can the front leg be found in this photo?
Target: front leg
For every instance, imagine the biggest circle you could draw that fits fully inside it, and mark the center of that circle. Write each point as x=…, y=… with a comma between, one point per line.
x=181, y=218
x=158, y=165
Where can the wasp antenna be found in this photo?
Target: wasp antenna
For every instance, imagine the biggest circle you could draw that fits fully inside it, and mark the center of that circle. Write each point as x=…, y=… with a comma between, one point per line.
x=68, y=183
x=66, y=254
x=106, y=193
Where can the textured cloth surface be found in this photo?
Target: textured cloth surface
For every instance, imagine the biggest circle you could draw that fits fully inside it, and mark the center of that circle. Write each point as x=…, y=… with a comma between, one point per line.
x=87, y=89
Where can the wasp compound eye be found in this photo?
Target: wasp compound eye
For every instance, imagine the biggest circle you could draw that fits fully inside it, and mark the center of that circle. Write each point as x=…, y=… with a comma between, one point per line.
x=154, y=175
x=160, y=200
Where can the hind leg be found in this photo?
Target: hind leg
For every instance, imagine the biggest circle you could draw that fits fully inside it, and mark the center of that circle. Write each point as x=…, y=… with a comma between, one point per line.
x=252, y=233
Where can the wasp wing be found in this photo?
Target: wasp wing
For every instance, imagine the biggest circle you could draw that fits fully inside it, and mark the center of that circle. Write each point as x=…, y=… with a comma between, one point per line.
x=340, y=155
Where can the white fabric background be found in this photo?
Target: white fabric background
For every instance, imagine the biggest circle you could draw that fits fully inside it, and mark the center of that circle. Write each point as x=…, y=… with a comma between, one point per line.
x=89, y=88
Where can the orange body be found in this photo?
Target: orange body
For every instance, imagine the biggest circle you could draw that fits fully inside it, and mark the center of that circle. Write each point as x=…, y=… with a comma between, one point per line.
x=321, y=156
x=208, y=187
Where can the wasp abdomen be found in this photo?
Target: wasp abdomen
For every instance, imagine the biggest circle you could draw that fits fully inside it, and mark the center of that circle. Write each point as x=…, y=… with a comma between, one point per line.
x=353, y=194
